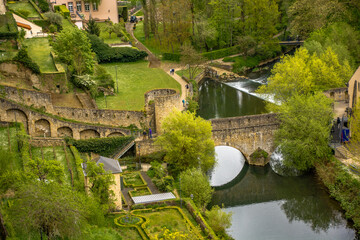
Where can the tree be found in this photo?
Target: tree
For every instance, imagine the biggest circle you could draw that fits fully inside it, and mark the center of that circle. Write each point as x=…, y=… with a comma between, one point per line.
x=195, y=182
x=218, y=220
x=304, y=73
x=54, y=18
x=190, y=57
x=187, y=141
x=100, y=182
x=92, y=27
x=52, y=209
x=73, y=48
x=303, y=135
x=45, y=170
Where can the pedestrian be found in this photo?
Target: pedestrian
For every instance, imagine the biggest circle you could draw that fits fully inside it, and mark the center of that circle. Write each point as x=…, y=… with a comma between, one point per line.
x=150, y=133
x=338, y=122
x=170, y=71
x=187, y=86
x=144, y=134
x=183, y=101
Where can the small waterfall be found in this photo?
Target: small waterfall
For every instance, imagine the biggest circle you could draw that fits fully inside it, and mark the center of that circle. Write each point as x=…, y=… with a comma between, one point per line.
x=278, y=166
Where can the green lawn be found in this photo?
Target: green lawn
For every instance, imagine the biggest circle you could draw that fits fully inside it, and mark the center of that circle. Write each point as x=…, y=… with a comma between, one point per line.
x=9, y=160
x=134, y=80
x=66, y=23
x=105, y=35
x=133, y=178
x=16, y=6
x=39, y=51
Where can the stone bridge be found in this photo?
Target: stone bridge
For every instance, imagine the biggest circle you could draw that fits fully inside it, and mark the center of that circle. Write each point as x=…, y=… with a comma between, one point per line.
x=40, y=124
x=246, y=133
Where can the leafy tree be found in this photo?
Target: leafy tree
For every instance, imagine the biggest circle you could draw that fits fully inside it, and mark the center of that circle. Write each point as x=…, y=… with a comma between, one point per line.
x=45, y=169
x=73, y=48
x=52, y=209
x=187, y=141
x=92, y=27
x=194, y=181
x=54, y=18
x=190, y=57
x=246, y=43
x=100, y=182
x=304, y=130
x=304, y=73
x=218, y=220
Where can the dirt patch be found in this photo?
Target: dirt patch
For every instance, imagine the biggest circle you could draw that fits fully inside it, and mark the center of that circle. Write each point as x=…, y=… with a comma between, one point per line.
x=65, y=100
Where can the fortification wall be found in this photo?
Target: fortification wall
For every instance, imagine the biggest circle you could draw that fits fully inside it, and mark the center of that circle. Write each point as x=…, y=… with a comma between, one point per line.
x=46, y=142
x=338, y=94
x=145, y=147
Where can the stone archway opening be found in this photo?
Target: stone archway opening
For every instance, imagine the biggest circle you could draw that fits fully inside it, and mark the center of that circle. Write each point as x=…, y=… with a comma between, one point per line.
x=42, y=128
x=17, y=115
x=116, y=134
x=64, y=132
x=89, y=133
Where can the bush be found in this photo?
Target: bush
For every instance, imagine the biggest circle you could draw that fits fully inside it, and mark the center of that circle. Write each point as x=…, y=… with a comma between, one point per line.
x=54, y=18
x=171, y=56
x=8, y=29
x=63, y=10
x=221, y=52
x=103, y=146
x=52, y=28
x=24, y=12
x=43, y=5
x=23, y=57
x=103, y=78
x=107, y=54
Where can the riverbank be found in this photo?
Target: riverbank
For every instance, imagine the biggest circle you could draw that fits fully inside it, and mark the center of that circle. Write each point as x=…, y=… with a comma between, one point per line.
x=342, y=186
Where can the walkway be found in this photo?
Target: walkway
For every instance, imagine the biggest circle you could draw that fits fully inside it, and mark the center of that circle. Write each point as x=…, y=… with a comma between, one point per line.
x=154, y=62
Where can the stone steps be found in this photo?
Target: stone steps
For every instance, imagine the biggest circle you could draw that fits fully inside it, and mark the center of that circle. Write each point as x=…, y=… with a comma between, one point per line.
x=343, y=152
x=85, y=100
x=124, y=150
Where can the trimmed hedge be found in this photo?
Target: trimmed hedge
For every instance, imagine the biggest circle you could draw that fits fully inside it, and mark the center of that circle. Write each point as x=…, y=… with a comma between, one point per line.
x=131, y=192
x=102, y=146
x=79, y=184
x=8, y=27
x=38, y=9
x=107, y=54
x=63, y=10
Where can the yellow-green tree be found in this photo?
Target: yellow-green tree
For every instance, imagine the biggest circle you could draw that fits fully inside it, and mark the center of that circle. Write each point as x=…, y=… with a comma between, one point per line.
x=187, y=141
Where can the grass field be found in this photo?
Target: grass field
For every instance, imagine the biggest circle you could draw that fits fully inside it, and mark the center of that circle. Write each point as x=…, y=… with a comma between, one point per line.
x=39, y=51
x=16, y=6
x=134, y=80
x=9, y=159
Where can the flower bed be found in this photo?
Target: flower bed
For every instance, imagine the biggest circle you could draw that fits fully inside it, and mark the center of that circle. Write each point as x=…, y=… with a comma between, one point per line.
x=133, y=180
x=140, y=191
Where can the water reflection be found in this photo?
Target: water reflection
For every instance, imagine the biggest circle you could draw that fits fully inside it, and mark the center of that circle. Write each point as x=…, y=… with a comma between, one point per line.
x=268, y=206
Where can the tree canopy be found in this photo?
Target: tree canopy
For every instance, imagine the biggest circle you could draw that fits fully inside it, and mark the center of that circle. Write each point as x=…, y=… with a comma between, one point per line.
x=187, y=141
x=304, y=131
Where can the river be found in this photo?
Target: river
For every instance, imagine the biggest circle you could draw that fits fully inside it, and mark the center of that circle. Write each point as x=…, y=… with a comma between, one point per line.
x=264, y=204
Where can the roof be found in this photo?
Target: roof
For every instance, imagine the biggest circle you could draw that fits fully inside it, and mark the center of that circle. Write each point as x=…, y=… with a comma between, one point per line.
x=23, y=25
x=110, y=164
x=153, y=198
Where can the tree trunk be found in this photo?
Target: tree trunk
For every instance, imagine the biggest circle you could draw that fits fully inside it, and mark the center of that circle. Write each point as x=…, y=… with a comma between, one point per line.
x=146, y=18
x=3, y=232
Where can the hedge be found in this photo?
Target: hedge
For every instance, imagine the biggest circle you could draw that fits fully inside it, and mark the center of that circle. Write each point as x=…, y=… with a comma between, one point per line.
x=8, y=27
x=42, y=23
x=78, y=160
x=63, y=10
x=102, y=146
x=133, y=185
x=38, y=9
x=131, y=192
x=23, y=57
x=107, y=54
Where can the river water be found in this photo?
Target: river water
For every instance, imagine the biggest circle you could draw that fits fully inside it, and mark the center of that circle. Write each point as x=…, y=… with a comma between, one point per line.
x=264, y=204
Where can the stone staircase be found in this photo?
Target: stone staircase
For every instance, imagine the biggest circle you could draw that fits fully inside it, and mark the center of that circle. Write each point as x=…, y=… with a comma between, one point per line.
x=343, y=152
x=123, y=150
x=85, y=100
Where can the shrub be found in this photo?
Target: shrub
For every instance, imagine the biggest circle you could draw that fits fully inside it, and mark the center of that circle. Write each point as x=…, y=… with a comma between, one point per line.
x=8, y=29
x=43, y=5
x=103, y=78
x=52, y=28
x=103, y=146
x=23, y=57
x=54, y=18
x=24, y=12
x=107, y=54
x=63, y=10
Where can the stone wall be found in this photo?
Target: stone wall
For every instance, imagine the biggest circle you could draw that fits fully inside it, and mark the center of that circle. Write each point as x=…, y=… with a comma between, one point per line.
x=145, y=147
x=338, y=94
x=46, y=142
x=247, y=133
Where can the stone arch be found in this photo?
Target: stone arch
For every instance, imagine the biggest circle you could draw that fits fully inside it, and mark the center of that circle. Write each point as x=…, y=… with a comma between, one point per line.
x=89, y=133
x=64, y=132
x=332, y=94
x=116, y=134
x=42, y=128
x=17, y=115
x=246, y=156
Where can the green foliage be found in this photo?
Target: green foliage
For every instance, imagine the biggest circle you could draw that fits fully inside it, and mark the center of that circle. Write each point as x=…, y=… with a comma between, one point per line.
x=103, y=146
x=218, y=220
x=304, y=73
x=43, y=5
x=74, y=49
x=45, y=170
x=54, y=18
x=8, y=27
x=24, y=12
x=52, y=28
x=100, y=182
x=107, y=54
x=63, y=10
x=304, y=130
x=92, y=27
x=103, y=78
x=50, y=208
x=187, y=141
x=79, y=181
x=190, y=57
x=171, y=56
x=221, y=53
x=193, y=181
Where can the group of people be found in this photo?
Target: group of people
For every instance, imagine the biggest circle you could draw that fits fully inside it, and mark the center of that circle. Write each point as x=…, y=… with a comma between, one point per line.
x=145, y=133
x=172, y=71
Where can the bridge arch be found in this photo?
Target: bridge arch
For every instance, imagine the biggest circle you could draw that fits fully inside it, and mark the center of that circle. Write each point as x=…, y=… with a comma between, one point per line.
x=17, y=115
x=64, y=132
x=234, y=146
x=89, y=133
x=42, y=128
x=116, y=134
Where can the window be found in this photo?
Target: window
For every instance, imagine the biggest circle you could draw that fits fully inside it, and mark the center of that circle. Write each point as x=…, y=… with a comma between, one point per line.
x=87, y=7
x=78, y=6
x=95, y=7
x=70, y=7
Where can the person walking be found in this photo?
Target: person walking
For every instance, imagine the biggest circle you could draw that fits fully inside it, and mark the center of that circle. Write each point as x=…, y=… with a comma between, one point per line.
x=183, y=101
x=144, y=134
x=150, y=133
